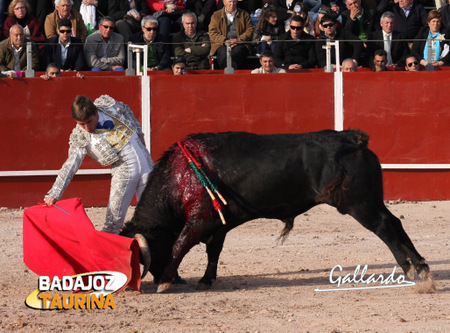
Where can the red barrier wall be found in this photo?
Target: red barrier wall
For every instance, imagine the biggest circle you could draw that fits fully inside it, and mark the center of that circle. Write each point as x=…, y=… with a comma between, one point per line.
x=404, y=113
x=35, y=128
x=407, y=117
x=240, y=102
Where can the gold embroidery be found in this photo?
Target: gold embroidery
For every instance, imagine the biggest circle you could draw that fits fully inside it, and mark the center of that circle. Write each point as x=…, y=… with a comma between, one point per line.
x=118, y=136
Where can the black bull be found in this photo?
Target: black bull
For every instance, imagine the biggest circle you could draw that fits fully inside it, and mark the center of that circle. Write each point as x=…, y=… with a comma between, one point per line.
x=261, y=176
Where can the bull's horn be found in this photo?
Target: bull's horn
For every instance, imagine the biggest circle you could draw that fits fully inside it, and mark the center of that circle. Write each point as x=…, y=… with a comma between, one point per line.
x=145, y=253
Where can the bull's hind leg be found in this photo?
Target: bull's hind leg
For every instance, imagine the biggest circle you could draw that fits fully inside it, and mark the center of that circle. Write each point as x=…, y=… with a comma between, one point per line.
x=390, y=230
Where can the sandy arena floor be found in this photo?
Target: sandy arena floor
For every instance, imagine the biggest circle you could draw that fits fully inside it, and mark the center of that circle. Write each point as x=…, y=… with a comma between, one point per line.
x=262, y=285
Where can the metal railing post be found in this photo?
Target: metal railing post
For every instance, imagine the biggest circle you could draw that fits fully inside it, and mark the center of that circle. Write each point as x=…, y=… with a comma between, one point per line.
x=29, y=72
x=229, y=69
x=429, y=66
x=134, y=48
x=327, y=47
x=130, y=71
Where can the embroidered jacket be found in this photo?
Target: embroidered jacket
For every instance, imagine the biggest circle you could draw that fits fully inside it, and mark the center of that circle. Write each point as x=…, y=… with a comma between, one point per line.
x=95, y=145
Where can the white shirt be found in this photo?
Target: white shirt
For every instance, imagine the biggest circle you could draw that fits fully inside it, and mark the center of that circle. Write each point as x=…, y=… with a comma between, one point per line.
x=230, y=17
x=64, y=49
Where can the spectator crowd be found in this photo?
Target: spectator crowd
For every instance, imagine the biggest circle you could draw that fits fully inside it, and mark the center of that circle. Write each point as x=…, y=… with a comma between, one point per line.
x=285, y=35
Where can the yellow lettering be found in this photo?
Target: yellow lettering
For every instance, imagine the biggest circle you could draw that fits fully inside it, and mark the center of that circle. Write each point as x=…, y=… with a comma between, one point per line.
x=109, y=302
x=44, y=298
x=56, y=302
x=79, y=301
x=97, y=301
x=67, y=301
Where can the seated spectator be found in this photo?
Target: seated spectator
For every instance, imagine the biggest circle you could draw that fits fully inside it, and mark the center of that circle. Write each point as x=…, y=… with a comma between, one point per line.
x=53, y=71
x=312, y=20
x=408, y=25
x=192, y=44
x=337, y=7
x=13, y=54
x=267, y=29
x=267, y=62
x=65, y=51
x=104, y=49
x=346, y=47
x=158, y=56
x=203, y=9
x=179, y=65
x=64, y=10
x=390, y=40
x=412, y=65
x=233, y=26
x=445, y=12
x=379, y=61
x=168, y=13
x=349, y=65
x=128, y=15
x=19, y=12
x=439, y=54
x=296, y=49
x=360, y=22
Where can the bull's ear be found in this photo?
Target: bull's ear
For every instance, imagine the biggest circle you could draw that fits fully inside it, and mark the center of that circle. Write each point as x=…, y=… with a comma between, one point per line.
x=145, y=253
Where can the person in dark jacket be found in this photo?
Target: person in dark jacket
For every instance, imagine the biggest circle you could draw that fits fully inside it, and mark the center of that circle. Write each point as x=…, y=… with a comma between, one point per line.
x=296, y=50
x=409, y=25
x=158, y=57
x=63, y=50
x=128, y=16
x=347, y=49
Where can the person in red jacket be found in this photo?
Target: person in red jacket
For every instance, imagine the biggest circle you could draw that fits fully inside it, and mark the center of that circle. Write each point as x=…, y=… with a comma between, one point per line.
x=168, y=14
x=19, y=12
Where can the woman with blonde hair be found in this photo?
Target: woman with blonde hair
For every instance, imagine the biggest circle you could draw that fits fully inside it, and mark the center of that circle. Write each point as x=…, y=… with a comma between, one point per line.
x=19, y=12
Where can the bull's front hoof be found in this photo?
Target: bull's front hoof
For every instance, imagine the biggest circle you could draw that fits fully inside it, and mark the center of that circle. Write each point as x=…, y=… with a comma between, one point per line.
x=162, y=287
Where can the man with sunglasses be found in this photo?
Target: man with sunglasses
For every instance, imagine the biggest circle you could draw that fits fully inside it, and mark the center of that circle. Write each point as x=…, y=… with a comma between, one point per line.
x=158, y=55
x=347, y=48
x=64, y=50
x=104, y=49
x=412, y=65
x=295, y=50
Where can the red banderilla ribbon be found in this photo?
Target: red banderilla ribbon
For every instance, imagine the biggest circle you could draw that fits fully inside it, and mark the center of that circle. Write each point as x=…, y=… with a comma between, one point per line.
x=204, y=180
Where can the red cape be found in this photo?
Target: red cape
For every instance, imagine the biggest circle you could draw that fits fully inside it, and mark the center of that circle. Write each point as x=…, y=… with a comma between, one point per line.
x=58, y=244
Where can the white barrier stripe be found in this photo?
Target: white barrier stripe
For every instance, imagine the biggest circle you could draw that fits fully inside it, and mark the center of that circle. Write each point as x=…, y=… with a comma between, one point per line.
x=108, y=171
x=416, y=166
x=52, y=172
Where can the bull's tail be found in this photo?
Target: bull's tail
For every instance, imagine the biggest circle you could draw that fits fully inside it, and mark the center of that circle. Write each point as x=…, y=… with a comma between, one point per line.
x=354, y=140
